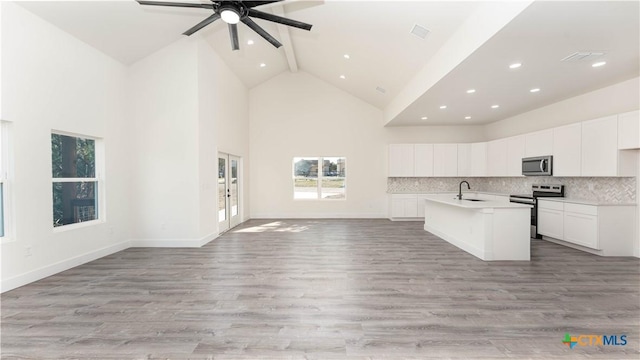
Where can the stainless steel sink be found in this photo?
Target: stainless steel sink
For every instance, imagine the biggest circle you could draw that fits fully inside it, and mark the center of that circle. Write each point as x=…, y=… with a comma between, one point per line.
x=473, y=200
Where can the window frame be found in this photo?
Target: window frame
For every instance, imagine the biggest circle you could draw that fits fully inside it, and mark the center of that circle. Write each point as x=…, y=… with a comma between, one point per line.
x=319, y=178
x=6, y=167
x=98, y=180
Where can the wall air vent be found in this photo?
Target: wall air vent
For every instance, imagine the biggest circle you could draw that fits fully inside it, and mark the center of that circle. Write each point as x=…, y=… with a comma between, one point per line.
x=582, y=56
x=420, y=31
x=381, y=89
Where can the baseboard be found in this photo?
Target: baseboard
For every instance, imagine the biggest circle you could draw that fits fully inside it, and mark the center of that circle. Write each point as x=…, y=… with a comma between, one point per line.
x=320, y=216
x=49, y=270
x=479, y=253
x=174, y=243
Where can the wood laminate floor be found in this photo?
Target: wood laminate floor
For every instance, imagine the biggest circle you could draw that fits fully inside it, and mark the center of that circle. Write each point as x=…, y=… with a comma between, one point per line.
x=325, y=289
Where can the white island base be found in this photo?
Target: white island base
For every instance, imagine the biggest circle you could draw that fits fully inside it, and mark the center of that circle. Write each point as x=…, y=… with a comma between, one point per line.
x=489, y=230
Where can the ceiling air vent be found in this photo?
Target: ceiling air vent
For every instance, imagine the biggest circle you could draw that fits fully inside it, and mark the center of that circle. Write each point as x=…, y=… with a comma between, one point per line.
x=583, y=56
x=381, y=89
x=420, y=31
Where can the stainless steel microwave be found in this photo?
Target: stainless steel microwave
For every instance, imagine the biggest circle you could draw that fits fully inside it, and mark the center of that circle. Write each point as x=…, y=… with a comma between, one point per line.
x=537, y=166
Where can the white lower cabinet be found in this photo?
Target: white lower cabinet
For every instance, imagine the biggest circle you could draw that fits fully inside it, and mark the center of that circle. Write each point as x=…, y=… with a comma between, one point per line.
x=404, y=206
x=551, y=219
x=606, y=229
x=581, y=229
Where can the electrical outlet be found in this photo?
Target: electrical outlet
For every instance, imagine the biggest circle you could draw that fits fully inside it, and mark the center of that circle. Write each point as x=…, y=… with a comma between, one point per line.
x=27, y=251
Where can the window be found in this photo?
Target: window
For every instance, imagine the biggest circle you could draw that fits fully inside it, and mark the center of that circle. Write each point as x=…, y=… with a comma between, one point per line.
x=75, y=183
x=4, y=170
x=319, y=178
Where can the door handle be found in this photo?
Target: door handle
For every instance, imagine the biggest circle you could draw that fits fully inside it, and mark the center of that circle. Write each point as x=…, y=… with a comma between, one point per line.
x=542, y=165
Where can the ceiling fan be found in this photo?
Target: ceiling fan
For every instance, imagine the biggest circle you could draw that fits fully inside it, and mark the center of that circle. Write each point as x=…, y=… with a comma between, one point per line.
x=232, y=12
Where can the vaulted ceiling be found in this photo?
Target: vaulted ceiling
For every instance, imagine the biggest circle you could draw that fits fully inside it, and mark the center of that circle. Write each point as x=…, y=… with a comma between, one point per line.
x=470, y=45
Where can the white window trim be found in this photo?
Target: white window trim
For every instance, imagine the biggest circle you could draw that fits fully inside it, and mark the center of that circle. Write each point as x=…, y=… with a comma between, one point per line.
x=98, y=179
x=320, y=177
x=6, y=178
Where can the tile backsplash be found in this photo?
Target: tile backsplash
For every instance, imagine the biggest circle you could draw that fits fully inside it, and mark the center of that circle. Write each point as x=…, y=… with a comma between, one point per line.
x=601, y=189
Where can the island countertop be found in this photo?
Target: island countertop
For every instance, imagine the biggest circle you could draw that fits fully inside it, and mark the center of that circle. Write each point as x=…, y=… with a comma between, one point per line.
x=451, y=199
x=488, y=229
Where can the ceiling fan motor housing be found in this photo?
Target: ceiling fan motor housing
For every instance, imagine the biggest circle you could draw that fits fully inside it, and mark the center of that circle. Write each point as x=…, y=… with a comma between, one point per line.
x=235, y=7
x=233, y=12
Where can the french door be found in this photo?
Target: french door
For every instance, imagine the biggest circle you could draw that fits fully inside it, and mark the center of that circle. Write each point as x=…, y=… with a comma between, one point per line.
x=228, y=191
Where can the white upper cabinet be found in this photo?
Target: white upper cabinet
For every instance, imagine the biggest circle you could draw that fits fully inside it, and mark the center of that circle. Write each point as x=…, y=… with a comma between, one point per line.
x=515, y=153
x=401, y=160
x=445, y=160
x=464, y=160
x=479, y=159
x=600, y=147
x=472, y=159
x=539, y=143
x=567, y=150
x=629, y=130
x=497, y=157
x=423, y=156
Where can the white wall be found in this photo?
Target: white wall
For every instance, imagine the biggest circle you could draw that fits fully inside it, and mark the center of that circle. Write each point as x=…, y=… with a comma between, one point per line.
x=185, y=105
x=300, y=115
x=434, y=134
x=615, y=99
x=163, y=114
x=163, y=120
x=52, y=81
x=224, y=126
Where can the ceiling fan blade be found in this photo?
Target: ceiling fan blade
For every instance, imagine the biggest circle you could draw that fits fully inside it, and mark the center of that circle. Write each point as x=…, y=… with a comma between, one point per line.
x=233, y=33
x=255, y=27
x=251, y=4
x=202, y=24
x=278, y=19
x=186, y=5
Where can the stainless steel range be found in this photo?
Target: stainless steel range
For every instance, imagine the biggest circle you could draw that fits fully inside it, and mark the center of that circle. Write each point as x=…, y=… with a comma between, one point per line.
x=537, y=191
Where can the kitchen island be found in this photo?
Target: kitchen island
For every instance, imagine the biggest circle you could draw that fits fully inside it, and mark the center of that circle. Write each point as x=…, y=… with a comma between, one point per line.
x=488, y=229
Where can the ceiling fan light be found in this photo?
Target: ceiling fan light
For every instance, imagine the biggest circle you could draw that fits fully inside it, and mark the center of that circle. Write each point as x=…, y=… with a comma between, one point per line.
x=230, y=15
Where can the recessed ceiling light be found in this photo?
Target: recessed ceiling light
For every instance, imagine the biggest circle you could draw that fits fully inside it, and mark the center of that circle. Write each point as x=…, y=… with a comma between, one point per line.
x=495, y=106
x=346, y=56
x=467, y=117
x=599, y=63
x=249, y=42
x=424, y=118
x=342, y=77
x=534, y=90
x=515, y=65
x=262, y=65
x=443, y=107
x=471, y=91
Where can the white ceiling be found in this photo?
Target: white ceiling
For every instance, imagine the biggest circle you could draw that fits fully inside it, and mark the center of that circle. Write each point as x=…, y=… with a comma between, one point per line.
x=376, y=35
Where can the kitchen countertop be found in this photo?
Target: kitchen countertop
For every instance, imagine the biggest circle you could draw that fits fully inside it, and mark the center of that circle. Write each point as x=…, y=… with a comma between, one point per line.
x=446, y=192
x=450, y=199
x=584, y=202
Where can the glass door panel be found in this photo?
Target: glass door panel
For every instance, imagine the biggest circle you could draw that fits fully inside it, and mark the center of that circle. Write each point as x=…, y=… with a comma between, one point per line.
x=222, y=192
x=234, y=187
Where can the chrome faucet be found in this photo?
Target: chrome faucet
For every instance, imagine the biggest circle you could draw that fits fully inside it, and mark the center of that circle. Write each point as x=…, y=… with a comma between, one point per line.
x=460, y=188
